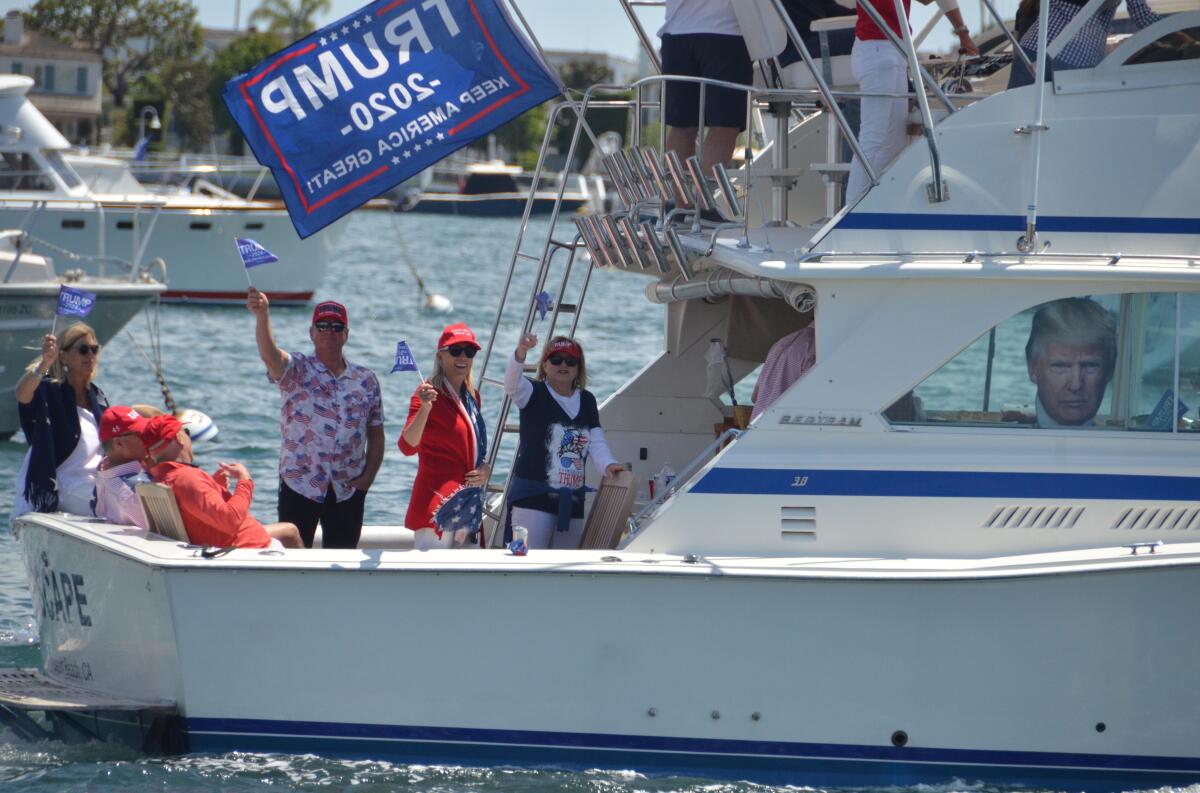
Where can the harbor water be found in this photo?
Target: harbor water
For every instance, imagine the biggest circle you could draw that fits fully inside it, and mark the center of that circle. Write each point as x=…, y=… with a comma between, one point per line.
x=211, y=363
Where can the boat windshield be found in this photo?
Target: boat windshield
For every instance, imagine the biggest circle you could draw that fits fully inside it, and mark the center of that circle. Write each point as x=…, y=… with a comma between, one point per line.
x=20, y=171
x=64, y=171
x=1178, y=45
x=1105, y=362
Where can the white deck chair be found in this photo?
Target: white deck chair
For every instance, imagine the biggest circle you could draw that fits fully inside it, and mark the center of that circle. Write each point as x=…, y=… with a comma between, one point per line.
x=162, y=513
x=610, y=509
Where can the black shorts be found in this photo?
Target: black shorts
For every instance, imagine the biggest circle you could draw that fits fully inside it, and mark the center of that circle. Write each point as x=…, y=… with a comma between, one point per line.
x=341, y=522
x=716, y=57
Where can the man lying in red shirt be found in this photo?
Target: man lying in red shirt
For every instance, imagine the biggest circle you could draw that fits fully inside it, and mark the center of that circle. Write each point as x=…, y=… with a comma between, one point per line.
x=211, y=514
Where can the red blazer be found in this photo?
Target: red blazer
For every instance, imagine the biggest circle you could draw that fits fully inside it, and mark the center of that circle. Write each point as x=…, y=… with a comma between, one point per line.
x=444, y=455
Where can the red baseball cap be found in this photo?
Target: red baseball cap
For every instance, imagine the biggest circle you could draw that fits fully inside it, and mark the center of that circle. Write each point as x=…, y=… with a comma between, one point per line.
x=160, y=431
x=565, y=347
x=121, y=420
x=327, y=309
x=458, y=333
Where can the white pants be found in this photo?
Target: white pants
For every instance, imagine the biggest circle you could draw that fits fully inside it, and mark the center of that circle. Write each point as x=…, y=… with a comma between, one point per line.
x=542, y=527
x=883, y=129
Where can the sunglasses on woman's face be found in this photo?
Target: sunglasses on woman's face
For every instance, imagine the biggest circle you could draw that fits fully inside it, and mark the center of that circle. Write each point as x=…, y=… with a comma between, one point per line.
x=87, y=349
x=326, y=327
x=560, y=360
x=459, y=350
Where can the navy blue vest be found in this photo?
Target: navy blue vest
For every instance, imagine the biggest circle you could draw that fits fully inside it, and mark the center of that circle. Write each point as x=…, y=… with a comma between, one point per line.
x=554, y=448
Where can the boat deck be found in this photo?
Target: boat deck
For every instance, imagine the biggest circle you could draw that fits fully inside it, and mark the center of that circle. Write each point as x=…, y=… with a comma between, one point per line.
x=162, y=552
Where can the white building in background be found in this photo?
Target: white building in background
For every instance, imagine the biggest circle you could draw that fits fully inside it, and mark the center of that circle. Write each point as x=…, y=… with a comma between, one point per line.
x=625, y=70
x=67, y=79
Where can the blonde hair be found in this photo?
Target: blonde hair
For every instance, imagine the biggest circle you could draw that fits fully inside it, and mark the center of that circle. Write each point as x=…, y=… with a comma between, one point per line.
x=438, y=378
x=67, y=338
x=580, y=381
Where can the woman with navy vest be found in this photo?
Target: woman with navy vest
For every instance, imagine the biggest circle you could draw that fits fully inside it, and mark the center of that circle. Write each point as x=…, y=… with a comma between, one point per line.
x=445, y=430
x=560, y=431
x=60, y=409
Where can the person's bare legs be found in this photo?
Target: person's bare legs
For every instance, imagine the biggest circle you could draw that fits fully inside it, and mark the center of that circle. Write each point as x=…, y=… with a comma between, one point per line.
x=682, y=141
x=286, y=533
x=718, y=147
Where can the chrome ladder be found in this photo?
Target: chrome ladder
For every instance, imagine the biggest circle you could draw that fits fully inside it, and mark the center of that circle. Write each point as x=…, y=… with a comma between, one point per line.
x=545, y=257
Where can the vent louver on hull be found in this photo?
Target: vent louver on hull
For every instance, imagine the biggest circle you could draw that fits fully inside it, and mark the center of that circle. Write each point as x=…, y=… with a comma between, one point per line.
x=797, y=523
x=1158, y=518
x=1033, y=517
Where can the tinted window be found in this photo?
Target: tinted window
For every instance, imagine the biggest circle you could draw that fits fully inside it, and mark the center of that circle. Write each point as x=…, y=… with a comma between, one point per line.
x=19, y=171
x=64, y=171
x=1181, y=45
x=1107, y=362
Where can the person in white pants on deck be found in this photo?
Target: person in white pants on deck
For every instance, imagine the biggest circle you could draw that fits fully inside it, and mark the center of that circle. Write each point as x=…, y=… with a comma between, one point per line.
x=881, y=68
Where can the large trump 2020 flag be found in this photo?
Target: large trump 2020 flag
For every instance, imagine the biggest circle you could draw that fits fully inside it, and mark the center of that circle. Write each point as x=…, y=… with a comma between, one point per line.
x=363, y=104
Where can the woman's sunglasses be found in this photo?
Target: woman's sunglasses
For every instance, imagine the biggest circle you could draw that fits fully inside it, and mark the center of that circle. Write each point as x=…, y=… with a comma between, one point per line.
x=459, y=350
x=559, y=360
x=325, y=327
x=86, y=349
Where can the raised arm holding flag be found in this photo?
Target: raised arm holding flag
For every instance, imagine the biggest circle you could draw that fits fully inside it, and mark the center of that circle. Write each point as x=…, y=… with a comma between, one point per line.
x=331, y=422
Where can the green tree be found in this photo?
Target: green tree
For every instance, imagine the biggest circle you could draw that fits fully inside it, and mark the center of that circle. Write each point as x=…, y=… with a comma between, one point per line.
x=578, y=76
x=581, y=75
x=132, y=38
x=242, y=53
x=288, y=20
x=191, y=113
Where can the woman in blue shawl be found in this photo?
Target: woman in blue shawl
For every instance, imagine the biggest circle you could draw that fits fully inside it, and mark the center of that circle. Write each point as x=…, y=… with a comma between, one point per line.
x=60, y=409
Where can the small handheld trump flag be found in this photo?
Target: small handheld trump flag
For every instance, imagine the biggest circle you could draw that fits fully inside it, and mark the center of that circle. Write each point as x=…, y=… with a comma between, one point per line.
x=542, y=304
x=404, y=360
x=253, y=254
x=74, y=302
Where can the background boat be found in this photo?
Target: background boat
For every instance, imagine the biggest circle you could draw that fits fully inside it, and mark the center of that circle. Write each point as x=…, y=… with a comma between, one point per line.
x=493, y=189
x=90, y=204
x=28, y=301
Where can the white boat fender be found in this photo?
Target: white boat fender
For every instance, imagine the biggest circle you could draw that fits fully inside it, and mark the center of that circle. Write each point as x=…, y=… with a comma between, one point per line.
x=438, y=304
x=198, y=425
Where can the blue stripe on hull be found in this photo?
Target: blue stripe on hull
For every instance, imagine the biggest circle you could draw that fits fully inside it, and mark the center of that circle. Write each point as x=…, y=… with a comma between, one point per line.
x=946, y=484
x=768, y=762
x=901, y=221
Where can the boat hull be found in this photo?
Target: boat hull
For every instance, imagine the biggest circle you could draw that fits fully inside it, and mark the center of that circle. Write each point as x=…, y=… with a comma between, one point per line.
x=1068, y=680
x=490, y=205
x=27, y=312
x=197, y=245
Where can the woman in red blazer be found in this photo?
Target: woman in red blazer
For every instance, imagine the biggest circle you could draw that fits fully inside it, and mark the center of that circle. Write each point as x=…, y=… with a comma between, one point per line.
x=445, y=430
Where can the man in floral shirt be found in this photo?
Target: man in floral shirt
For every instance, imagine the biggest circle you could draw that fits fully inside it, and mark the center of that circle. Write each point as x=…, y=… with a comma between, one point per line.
x=331, y=423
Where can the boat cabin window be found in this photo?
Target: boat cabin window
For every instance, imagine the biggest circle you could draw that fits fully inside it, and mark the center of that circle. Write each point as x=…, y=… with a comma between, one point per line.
x=1178, y=45
x=19, y=171
x=64, y=171
x=1104, y=362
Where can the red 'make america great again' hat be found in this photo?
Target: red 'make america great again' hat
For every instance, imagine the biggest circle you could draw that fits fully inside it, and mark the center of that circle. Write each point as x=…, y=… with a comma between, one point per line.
x=121, y=420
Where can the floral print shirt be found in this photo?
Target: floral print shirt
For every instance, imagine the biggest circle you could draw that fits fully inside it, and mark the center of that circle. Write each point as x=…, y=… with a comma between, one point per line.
x=323, y=424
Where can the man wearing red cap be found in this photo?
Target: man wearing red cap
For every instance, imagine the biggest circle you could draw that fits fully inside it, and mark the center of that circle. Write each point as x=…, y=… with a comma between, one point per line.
x=331, y=423
x=211, y=514
x=121, y=470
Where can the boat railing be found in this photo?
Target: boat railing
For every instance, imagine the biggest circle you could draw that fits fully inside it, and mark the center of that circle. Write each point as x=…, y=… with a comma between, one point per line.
x=142, y=228
x=699, y=461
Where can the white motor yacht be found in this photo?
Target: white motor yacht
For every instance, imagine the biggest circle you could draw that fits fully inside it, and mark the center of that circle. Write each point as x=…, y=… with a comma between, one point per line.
x=950, y=550
x=92, y=204
x=29, y=286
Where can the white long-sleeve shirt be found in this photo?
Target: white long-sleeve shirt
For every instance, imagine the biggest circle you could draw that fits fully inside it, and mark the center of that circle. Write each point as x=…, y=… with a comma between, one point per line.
x=520, y=390
x=116, y=497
